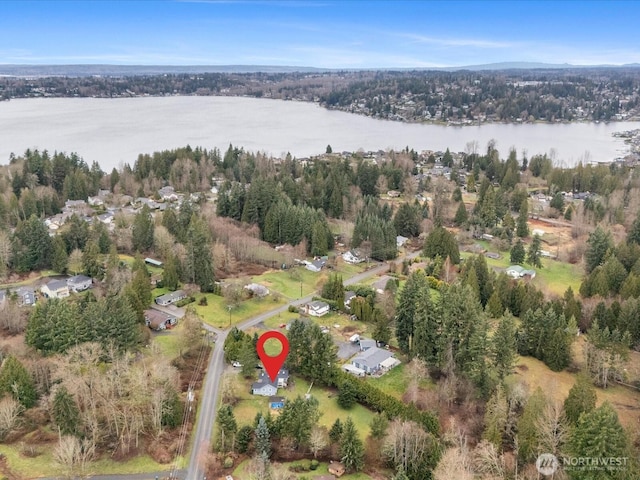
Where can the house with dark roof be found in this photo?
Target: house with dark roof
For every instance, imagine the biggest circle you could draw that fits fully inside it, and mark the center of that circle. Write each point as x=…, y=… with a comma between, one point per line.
x=55, y=289
x=316, y=265
x=171, y=297
x=26, y=296
x=158, y=321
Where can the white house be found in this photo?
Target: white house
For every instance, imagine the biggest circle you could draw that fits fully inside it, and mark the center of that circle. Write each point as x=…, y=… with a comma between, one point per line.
x=55, y=289
x=264, y=386
x=516, y=271
x=168, y=193
x=171, y=297
x=316, y=265
x=317, y=308
x=400, y=241
x=257, y=290
x=352, y=257
x=79, y=283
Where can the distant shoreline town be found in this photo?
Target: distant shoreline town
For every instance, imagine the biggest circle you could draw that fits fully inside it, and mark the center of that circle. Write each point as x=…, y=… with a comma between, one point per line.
x=438, y=97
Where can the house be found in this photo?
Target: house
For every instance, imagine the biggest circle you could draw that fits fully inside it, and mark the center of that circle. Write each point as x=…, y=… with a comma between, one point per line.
x=276, y=403
x=366, y=344
x=516, y=271
x=95, y=201
x=348, y=296
x=317, y=308
x=373, y=360
x=79, y=283
x=171, y=297
x=26, y=296
x=316, y=265
x=158, y=321
x=267, y=388
x=337, y=469
x=400, y=241
x=75, y=205
x=257, y=290
x=55, y=289
x=393, y=193
x=352, y=257
x=106, y=218
x=168, y=193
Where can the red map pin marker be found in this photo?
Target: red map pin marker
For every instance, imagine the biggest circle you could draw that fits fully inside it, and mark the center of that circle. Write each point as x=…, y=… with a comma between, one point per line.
x=272, y=364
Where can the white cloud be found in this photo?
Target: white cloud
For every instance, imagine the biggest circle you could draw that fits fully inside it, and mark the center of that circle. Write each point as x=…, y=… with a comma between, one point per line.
x=458, y=42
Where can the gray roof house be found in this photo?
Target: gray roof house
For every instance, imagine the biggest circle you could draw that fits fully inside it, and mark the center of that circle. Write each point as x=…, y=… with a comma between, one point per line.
x=348, y=296
x=26, y=296
x=516, y=271
x=317, y=308
x=316, y=265
x=79, y=283
x=171, y=297
x=367, y=343
x=373, y=360
x=55, y=289
x=264, y=386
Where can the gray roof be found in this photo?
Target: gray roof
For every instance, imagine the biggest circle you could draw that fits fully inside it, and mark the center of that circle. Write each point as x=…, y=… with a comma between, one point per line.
x=172, y=296
x=367, y=343
x=78, y=279
x=56, y=285
x=372, y=357
x=349, y=294
x=318, y=304
x=263, y=379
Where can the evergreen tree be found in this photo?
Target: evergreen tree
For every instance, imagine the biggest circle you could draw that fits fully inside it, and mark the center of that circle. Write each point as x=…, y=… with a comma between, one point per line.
x=522, y=228
x=263, y=438
x=599, y=435
x=379, y=424
x=296, y=420
x=581, y=399
x=382, y=327
x=91, y=264
x=170, y=277
x=504, y=346
x=495, y=418
x=199, y=263
x=528, y=429
x=335, y=433
x=319, y=243
x=406, y=310
x=407, y=221
x=346, y=395
x=634, y=232
x=172, y=408
x=16, y=381
x=494, y=305
x=351, y=448
x=598, y=244
x=462, y=216
x=245, y=435
x=441, y=242
x=32, y=248
x=534, y=253
x=60, y=258
x=65, y=412
x=517, y=253
x=228, y=428
x=142, y=232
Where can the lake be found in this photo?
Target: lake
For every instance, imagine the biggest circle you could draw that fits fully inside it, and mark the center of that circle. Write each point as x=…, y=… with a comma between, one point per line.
x=114, y=131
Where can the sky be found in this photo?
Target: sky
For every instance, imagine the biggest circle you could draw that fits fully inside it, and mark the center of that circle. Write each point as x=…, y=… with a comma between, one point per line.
x=322, y=33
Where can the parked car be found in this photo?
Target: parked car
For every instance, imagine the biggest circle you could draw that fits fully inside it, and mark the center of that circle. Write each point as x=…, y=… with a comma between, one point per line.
x=237, y=364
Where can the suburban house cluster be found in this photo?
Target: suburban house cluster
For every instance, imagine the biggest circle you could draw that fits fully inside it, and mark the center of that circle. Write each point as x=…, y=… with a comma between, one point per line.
x=267, y=388
x=371, y=359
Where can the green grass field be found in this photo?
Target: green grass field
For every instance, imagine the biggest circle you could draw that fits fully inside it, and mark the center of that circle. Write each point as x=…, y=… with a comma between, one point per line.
x=33, y=276
x=241, y=472
x=249, y=405
x=128, y=259
x=554, y=276
x=290, y=282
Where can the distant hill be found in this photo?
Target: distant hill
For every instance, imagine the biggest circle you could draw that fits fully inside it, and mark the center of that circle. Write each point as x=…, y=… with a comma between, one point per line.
x=131, y=70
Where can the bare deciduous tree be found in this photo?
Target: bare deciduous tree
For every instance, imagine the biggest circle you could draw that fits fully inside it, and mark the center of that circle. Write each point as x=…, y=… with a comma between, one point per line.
x=73, y=454
x=10, y=411
x=318, y=440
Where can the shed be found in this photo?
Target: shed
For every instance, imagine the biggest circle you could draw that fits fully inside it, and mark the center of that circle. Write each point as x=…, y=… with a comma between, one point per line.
x=154, y=262
x=337, y=469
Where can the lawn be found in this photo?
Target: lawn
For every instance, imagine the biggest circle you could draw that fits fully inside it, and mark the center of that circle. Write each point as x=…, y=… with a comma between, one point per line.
x=249, y=405
x=554, y=276
x=394, y=382
x=128, y=259
x=291, y=283
x=33, y=276
x=216, y=312
x=44, y=464
x=166, y=343
x=323, y=469
x=556, y=386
